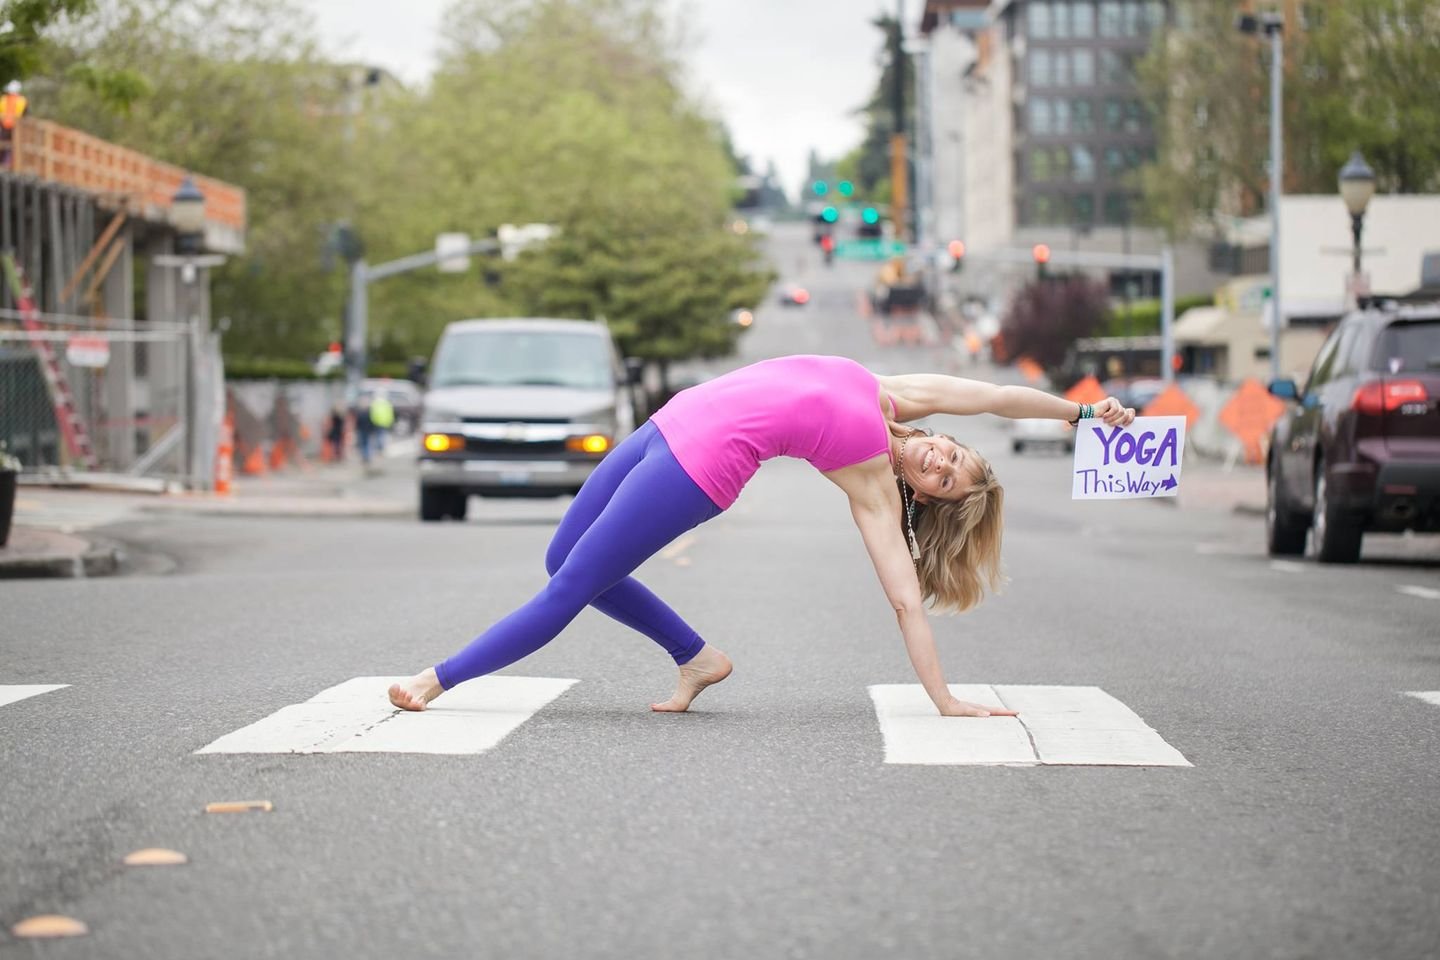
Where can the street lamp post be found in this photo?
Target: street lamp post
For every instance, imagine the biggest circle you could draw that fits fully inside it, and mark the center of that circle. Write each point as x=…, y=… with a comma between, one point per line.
x=1357, y=186
x=1273, y=25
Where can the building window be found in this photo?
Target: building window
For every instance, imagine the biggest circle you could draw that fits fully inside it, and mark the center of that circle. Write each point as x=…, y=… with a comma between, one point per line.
x=1062, y=68
x=1040, y=165
x=1117, y=208
x=1082, y=67
x=1040, y=122
x=1116, y=69
x=1082, y=20
x=1114, y=114
x=1060, y=163
x=1082, y=116
x=1109, y=18
x=1040, y=68
x=1134, y=116
x=1040, y=20
x=1042, y=208
x=1155, y=14
x=1082, y=163
x=1082, y=208
x=1062, y=116
x=1114, y=162
x=1132, y=19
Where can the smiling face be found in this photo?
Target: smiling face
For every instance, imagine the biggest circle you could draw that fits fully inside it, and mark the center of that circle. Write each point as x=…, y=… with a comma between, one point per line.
x=938, y=468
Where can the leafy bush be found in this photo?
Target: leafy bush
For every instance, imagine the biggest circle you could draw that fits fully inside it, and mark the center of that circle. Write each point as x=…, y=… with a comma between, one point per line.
x=1047, y=316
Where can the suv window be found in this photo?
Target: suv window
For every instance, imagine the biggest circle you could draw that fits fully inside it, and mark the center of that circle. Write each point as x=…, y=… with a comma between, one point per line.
x=1325, y=360
x=1408, y=347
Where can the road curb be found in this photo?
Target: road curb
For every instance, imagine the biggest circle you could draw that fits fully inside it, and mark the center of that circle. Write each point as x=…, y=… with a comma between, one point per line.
x=100, y=558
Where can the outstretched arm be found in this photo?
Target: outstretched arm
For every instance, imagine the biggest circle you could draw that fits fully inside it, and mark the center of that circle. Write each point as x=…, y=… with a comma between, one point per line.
x=886, y=545
x=922, y=394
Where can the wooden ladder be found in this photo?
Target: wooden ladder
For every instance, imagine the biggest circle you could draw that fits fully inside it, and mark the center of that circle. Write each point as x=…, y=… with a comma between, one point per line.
x=72, y=427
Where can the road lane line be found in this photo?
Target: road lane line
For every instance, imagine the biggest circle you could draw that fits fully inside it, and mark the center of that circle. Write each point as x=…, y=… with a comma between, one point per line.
x=1429, y=696
x=1057, y=726
x=357, y=717
x=1424, y=593
x=14, y=693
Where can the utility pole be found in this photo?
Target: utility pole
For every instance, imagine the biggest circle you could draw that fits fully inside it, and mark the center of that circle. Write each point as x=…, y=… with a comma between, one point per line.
x=899, y=168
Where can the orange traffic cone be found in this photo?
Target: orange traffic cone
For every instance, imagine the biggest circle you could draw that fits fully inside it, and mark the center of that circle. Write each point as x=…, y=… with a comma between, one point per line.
x=225, y=457
x=254, y=465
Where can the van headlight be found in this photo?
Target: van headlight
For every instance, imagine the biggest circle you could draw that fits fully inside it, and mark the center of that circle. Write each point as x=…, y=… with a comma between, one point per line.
x=589, y=443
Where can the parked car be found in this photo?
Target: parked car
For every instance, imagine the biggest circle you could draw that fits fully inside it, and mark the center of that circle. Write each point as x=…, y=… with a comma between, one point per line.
x=403, y=395
x=520, y=407
x=1358, y=449
x=1042, y=433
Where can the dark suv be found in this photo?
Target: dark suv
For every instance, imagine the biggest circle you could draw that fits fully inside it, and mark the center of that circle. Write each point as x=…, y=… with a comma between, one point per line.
x=1359, y=449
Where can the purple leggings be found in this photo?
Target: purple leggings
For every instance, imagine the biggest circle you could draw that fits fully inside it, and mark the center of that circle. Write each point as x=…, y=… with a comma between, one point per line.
x=638, y=499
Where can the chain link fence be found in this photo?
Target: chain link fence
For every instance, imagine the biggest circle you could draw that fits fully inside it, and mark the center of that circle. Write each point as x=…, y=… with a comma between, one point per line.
x=109, y=400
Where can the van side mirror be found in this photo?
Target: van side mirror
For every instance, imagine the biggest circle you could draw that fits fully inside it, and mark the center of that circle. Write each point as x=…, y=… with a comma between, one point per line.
x=1285, y=390
x=634, y=370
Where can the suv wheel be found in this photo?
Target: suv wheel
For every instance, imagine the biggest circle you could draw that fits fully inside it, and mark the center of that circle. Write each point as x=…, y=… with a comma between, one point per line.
x=433, y=503
x=1284, y=528
x=1337, y=536
x=459, y=501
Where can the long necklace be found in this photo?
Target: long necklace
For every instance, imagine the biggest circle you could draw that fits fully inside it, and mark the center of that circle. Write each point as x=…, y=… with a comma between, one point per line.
x=909, y=503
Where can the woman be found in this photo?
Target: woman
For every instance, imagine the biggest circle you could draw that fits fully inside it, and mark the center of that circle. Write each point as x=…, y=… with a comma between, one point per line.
x=928, y=508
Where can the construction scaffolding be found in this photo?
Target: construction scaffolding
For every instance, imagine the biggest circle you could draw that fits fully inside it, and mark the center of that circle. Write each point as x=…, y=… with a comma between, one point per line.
x=88, y=382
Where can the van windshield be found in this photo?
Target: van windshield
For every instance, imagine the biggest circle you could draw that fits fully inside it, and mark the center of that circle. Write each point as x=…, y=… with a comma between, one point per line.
x=508, y=358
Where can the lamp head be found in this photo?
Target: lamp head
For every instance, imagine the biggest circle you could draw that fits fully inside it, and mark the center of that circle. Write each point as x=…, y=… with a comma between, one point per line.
x=1357, y=184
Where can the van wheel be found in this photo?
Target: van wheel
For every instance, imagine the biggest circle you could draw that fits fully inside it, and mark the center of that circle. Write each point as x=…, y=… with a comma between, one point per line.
x=1284, y=528
x=433, y=503
x=1337, y=535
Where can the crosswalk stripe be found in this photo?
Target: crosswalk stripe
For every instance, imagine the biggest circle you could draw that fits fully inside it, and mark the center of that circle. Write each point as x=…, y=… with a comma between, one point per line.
x=357, y=717
x=12, y=693
x=1429, y=696
x=1057, y=725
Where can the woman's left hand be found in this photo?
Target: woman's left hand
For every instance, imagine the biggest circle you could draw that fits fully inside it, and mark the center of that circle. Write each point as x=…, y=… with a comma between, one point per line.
x=1114, y=413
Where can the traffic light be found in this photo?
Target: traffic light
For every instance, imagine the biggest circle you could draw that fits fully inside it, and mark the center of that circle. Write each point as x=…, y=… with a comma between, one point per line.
x=956, y=250
x=820, y=187
x=847, y=189
x=1041, y=253
x=830, y=215
x=869, y=222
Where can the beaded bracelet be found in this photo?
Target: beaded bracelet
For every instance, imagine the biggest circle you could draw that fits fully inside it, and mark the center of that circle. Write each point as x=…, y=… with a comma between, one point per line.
x=1087, y=412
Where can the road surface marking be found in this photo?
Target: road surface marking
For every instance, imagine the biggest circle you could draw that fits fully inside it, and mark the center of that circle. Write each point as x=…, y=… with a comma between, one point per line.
x=1429, y=696
x=1424, y=593
x=1057, y=725
x=1288, y=566
x=13, y=693
x=356, y=717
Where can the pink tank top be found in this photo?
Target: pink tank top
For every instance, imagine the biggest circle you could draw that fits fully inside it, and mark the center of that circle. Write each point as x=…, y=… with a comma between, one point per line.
x=822, y=409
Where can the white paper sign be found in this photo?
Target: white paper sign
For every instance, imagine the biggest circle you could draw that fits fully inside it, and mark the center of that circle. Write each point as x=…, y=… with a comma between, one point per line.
x=1121, y=463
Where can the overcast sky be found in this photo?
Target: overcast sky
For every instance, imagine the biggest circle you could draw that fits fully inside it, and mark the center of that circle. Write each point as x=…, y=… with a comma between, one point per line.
x=785, y=74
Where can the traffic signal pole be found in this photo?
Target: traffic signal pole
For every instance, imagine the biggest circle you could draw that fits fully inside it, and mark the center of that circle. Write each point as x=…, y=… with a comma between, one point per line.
x=899, y=168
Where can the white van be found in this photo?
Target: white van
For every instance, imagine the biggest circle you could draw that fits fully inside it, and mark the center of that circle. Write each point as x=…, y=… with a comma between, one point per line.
x=520, y=407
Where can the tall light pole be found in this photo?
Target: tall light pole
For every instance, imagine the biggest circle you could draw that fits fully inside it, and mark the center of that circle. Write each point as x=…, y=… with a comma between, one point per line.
x=1273, y=25
x=1357, y=186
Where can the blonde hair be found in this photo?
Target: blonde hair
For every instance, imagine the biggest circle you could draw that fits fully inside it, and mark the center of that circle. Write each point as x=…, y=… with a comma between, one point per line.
x=959, y=541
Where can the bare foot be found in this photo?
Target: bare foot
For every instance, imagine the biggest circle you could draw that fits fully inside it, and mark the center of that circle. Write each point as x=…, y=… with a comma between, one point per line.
x=417, y=692
x=708, y=666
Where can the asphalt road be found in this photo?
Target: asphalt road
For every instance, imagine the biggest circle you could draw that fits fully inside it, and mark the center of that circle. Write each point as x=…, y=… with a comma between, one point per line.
x=765, y=823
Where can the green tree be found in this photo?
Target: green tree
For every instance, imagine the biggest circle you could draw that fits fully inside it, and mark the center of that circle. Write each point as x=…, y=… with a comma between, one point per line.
x=26, y=49
x=1359, y=74
x=1046, y=317
x=568, y=113
x=238, y=93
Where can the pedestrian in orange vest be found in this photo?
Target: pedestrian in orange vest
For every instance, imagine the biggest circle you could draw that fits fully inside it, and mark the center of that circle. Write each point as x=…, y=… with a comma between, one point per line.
x=12, y=108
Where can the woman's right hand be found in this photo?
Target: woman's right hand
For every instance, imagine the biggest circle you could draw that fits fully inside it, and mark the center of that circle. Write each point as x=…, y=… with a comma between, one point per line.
x=963, y=708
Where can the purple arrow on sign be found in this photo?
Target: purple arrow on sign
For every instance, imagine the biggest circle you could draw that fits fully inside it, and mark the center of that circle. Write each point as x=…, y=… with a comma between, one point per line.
x=1169, y=483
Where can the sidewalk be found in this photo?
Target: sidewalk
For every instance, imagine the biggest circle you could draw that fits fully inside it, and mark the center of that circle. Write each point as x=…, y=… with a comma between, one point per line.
x=50, y=538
